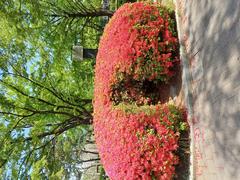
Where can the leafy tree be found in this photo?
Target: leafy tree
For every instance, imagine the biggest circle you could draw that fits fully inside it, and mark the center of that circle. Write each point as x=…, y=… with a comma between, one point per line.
x=39, y=103
x=45, y=96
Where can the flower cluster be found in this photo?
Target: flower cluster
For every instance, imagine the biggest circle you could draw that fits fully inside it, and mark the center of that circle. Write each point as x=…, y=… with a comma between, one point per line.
x=153, y=44
x=139, y=45
x=139, y=145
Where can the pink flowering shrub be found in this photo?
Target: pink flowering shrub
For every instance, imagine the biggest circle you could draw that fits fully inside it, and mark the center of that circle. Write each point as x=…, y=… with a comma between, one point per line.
x=136, y=138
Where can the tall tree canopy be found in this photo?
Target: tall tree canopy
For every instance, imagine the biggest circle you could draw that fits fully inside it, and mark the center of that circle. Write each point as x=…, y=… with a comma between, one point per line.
x=45, y=96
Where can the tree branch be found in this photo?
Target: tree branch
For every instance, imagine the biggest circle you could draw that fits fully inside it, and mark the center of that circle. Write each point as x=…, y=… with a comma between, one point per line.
x=66, y=125
x=98, y=13
x=24, y=94
x=13, y=114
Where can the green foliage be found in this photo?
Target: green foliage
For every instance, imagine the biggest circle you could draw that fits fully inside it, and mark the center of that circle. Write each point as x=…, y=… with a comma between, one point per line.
x=178, y=117
x=131, y=108
x=45, y=97
x=102, y=173
x=37, y=167
x=169, y=4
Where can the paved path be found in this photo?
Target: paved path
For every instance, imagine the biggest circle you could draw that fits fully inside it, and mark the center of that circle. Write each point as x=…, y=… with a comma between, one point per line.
x=210, y=34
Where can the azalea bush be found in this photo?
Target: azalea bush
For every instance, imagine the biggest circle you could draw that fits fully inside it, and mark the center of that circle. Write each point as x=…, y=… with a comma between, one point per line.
x=136, y=135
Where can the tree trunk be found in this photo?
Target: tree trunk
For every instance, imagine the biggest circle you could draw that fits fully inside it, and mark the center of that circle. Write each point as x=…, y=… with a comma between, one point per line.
x=98, y=13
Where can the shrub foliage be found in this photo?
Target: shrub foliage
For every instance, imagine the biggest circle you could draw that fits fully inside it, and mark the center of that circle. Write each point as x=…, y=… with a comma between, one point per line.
x=136, y=135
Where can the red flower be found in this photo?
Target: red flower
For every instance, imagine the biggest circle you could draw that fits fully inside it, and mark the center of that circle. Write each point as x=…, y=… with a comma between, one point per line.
x=135, y=145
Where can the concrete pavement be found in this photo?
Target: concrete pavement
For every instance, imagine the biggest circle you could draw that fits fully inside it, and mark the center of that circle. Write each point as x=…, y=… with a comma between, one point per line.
x=210, y=37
